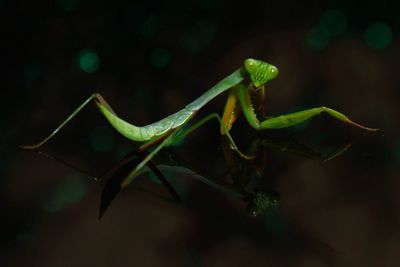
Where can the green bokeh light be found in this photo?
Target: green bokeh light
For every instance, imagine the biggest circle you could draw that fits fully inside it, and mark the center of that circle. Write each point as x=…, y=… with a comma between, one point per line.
x=89, y=61
x=378, y=36
x=334, y=22
x=101, y=139
x=70, y=190
x=318, y=38
x=160, y=57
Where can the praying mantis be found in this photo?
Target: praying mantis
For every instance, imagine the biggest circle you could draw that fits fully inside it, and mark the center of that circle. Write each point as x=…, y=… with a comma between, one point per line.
x=249, y=79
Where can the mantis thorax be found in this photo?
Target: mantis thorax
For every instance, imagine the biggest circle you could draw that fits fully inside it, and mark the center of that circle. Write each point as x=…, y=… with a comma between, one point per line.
x=260, y=72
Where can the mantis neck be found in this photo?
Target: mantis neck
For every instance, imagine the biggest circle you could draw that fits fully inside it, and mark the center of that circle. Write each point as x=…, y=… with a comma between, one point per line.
x=225, y=84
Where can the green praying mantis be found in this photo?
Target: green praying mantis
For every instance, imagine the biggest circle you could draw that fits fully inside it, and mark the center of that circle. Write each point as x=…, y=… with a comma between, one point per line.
x=249, y=79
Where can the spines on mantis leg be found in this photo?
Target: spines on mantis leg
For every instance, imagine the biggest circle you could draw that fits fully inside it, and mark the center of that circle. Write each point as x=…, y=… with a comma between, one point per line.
x=145, y=133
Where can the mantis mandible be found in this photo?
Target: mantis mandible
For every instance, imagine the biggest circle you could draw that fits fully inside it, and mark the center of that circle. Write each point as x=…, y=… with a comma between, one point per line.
x=250, y=78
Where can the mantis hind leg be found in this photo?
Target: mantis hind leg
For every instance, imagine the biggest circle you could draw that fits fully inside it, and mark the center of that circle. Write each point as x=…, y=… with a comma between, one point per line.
x=298, y=117
x=132, y=175
x=260, y=98
x=96, y=97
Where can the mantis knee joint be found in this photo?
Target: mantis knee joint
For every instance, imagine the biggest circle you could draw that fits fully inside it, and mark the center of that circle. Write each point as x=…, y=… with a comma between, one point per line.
x=96, y=95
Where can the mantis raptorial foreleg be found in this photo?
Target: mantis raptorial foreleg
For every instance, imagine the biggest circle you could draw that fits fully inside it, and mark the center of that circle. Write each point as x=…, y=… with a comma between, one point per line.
x=231, y=112
x=260, y=98
x=167, y=141
x=96, y=97
x=287, y=120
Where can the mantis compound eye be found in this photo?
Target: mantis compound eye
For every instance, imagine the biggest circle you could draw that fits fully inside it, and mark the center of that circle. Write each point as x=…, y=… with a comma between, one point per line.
x=273, y=72
x=250, y=65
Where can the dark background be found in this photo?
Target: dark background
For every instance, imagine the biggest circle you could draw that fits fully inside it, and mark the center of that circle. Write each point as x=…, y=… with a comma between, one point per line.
x=151, y=58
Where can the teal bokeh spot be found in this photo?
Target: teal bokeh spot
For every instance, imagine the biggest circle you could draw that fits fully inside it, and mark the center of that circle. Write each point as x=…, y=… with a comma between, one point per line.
x=318, y=38
x=101, y=139
x=334, y=22
x=160, y=57
x=69, y=5
x=89, y=61
x=378, y=36
x=70, y=190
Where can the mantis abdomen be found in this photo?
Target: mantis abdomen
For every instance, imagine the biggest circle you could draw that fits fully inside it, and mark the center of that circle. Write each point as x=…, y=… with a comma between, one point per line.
x=145, y=133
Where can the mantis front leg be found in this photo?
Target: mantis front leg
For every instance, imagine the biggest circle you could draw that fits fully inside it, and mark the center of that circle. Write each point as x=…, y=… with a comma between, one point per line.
x=231, y=112
x=287, y=120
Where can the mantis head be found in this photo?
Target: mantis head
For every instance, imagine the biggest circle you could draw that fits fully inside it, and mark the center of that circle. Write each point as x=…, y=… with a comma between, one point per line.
x=262, y=201
x=260, y=72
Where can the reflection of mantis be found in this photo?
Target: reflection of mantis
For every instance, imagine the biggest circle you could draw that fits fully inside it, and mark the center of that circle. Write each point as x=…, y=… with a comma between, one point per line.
x=171, y=129
x=241, y=171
